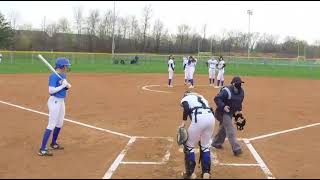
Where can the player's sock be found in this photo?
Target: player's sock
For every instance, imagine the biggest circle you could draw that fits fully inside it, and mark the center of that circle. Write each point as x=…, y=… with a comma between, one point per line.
x=209, y=80
x=45, y=139
x=191, y=81
x=218, y=83
x=169, y=82
x=222, y=83
x=205, y=162
x=212, y=81
x=55, y=135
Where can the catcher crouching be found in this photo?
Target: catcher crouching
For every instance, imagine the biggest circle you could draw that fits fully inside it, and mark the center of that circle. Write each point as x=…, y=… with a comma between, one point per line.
x=200, y=131
x=229, y=104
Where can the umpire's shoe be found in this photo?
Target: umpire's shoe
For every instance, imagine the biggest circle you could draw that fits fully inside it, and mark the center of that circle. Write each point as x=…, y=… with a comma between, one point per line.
x=56, y=147
x=237, y=152
x=216, y=146
x=45, y=153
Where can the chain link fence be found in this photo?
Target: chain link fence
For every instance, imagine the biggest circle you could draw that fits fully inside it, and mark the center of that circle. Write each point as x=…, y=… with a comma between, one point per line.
x=30, y=57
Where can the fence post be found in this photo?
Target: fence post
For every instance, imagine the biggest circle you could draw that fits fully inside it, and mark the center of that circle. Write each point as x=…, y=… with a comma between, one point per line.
x=32, y=61
x=11, y=57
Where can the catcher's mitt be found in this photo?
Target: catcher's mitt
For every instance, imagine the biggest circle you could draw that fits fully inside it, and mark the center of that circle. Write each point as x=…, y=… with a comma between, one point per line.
x=182, y=135
x=240, y=121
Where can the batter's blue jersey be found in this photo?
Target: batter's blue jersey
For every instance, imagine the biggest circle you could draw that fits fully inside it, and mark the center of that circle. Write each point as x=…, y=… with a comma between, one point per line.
x=54, y=82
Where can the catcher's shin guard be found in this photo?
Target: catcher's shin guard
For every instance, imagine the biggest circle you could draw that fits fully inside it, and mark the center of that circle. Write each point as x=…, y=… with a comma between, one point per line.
x=205, y=160
x=189, y=160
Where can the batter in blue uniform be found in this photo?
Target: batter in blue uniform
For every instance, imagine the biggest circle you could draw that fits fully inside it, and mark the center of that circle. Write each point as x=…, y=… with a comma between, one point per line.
x=58, y=90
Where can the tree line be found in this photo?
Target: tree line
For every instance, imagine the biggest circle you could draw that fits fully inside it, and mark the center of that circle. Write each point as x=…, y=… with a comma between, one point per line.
x=144, y=33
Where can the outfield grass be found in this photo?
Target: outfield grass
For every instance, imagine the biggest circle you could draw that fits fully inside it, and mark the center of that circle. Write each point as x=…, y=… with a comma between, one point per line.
x=160, y=66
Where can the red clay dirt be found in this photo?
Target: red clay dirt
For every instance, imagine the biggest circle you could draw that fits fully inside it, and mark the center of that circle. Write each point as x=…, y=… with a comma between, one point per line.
x=118, y=103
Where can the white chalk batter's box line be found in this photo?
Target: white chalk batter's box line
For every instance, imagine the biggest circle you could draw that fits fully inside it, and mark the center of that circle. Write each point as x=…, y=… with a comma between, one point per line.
x=133, y=139
x=118, y=160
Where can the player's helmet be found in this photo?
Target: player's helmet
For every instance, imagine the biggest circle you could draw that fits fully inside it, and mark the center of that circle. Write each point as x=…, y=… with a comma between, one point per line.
x=61, y=62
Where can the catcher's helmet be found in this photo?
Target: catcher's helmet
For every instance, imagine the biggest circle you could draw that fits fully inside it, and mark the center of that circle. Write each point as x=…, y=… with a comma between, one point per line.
x=61, y=62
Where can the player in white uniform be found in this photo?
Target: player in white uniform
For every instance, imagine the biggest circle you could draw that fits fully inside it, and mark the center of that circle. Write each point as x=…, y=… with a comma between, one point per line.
x=185, y=69
x=170, y=70
x=0, y=57
x=212, y=64
x=58, y=90
x=196, y=107
x=220, y=77
x=191, y=68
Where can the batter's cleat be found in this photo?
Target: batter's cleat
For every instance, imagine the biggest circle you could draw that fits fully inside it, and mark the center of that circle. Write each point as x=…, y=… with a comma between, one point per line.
x=185, y=176
x=45, y=153
x=206, y=176
x=170, y=86
x=56, y=147
x=237, y=152
x=191, y=87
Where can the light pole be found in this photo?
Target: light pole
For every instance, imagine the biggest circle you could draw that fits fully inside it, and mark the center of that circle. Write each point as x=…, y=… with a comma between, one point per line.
x=114, y=19
x=249, y=12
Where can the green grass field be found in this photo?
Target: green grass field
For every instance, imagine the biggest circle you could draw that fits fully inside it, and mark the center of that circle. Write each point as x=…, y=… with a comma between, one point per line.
x=100, y=63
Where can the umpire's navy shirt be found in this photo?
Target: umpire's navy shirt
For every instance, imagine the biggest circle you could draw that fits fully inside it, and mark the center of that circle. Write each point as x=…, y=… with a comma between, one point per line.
x=223, y=99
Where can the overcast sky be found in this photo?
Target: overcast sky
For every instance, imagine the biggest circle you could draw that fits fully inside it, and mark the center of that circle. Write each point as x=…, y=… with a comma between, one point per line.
x=299, y=19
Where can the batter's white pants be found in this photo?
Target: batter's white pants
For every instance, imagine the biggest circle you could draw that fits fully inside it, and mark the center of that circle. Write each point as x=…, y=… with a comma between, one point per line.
x=171, y=72
x=212, y=73
x=202, y=130
x=56, y=112
x=220, y=75
x=191, y=72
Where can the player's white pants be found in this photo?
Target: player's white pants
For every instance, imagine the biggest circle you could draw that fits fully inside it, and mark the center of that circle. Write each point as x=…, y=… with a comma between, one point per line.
x=171, y=72
x=212, y=73
x=0, y=60
x=191, y=72
x=186, y=73
x=220, y=75
x=202, y=130
x=56, y=112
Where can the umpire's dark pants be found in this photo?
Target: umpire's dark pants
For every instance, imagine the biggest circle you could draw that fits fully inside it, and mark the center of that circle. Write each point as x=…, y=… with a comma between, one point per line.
x=226, y=129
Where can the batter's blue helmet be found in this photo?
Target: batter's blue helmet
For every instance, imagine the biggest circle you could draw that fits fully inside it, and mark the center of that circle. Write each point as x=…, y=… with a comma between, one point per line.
x=62, y=61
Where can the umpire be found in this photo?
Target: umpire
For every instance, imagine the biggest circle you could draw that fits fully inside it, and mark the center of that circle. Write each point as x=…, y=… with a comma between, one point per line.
x=229, y=102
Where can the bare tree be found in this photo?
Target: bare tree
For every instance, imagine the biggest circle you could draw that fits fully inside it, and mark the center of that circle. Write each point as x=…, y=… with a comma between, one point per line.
x=52, y=29
x=146, y=14
x=134, y=32
x=13, y=18
x=124, y=23
x=43, y=24
x=78, y=16
x=204, y=30
x=92, y=23
x=157, y=32
x=26, y=26
x=183, y=34
x=63, y=25
x=105, y=25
